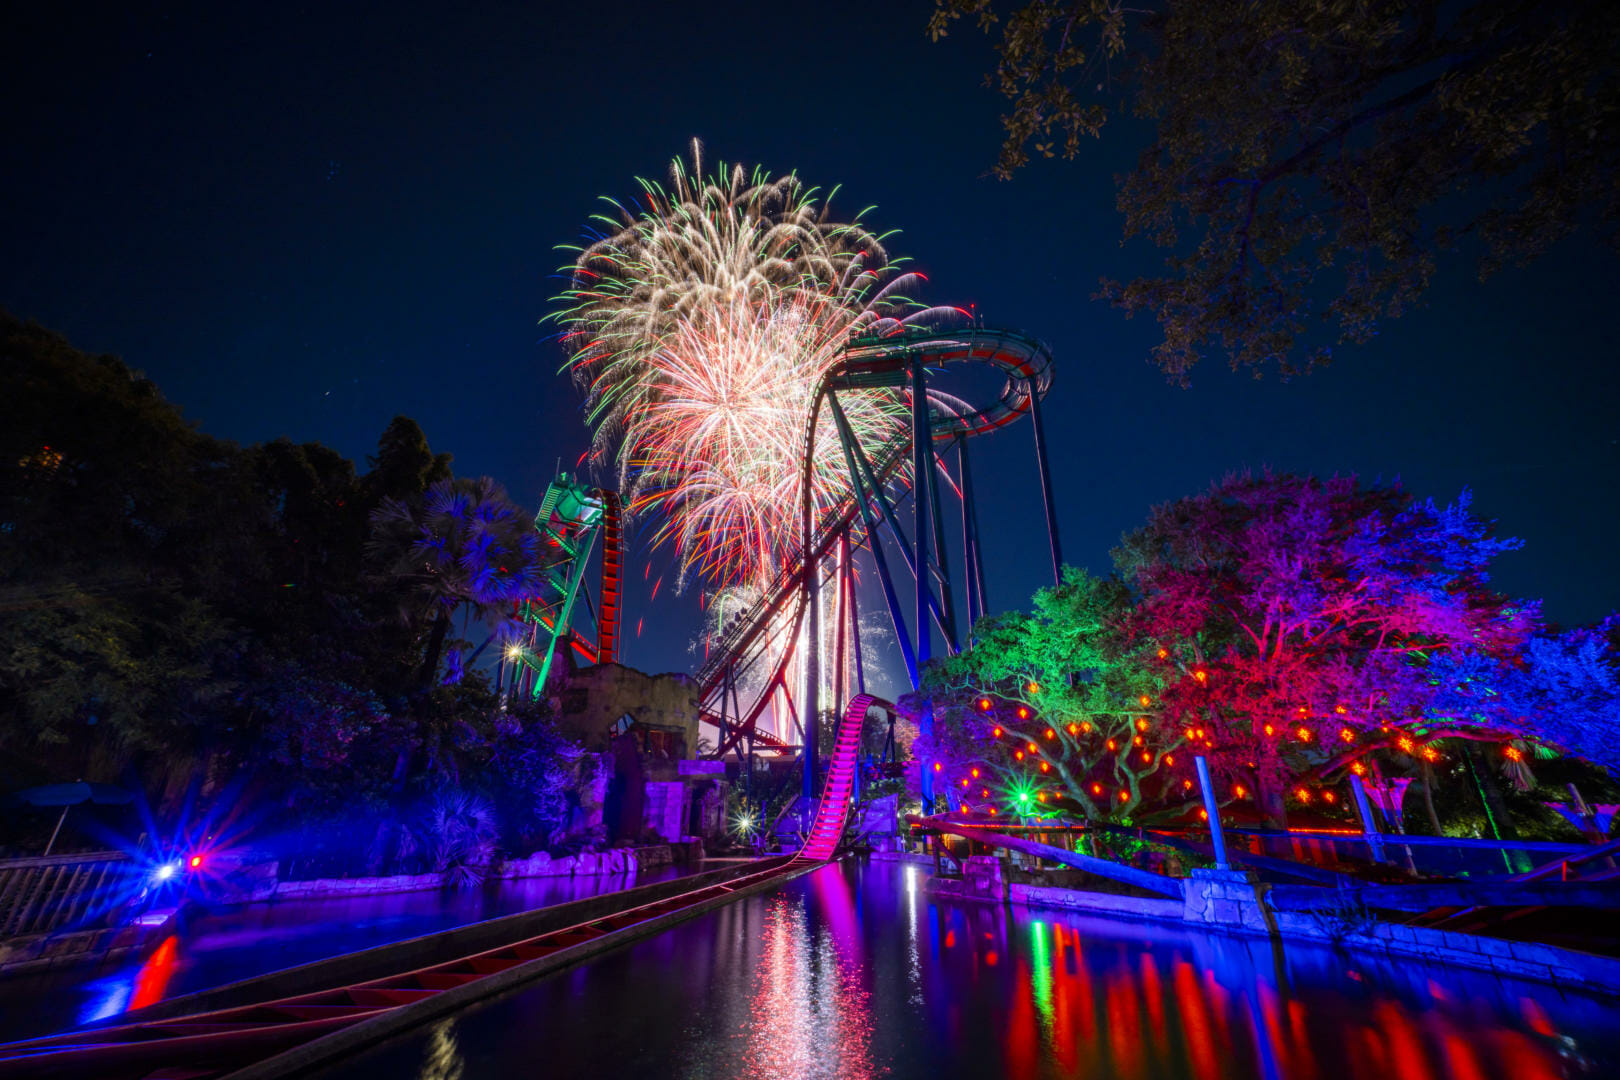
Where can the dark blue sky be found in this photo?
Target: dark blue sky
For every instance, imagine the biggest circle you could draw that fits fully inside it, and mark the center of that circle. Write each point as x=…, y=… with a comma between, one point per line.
x=303, y=221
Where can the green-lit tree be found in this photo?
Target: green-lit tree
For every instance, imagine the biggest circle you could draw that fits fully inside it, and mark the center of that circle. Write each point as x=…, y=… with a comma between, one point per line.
x=1055, y=710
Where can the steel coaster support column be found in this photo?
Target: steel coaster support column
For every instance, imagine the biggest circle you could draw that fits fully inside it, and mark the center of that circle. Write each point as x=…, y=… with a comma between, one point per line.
x=1043, y=465
x=854, y=623
x=942, y=556
x=1369, y=829
x=872, y=541
x=974, y=567
x=1212, y=807
x=840, y=658
x=811, y=749
x=847, y=435
x=922, y=469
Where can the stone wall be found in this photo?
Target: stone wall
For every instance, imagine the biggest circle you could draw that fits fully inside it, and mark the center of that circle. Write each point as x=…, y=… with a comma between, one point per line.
x=665, y=809
x=596, y=697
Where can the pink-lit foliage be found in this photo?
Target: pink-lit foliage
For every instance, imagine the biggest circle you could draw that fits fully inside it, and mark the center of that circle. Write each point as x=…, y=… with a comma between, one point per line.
x=1299, y=618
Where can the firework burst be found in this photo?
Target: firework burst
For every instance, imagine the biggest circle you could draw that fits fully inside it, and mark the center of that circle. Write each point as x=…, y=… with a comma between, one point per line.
x=700, y=325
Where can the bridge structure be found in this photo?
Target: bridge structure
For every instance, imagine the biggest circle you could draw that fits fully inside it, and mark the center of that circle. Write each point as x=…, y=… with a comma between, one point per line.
x=751, y=665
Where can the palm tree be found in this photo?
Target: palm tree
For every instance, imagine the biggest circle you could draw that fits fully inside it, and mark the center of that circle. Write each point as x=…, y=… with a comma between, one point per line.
x=461, y=547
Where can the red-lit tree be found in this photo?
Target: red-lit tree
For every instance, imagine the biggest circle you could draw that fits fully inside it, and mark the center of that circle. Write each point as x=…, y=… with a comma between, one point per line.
x=1295, y=619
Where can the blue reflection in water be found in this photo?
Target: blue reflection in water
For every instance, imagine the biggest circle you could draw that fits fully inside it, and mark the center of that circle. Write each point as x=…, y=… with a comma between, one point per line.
x=855, y=971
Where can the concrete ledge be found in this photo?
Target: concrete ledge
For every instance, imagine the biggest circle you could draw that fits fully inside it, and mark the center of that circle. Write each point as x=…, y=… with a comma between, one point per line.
x=40, y=952
x=614, y=861
x=1107, y=903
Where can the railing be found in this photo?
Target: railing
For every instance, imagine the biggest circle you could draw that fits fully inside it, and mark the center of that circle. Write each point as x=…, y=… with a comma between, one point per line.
x=1440, y=856
x=53, y=892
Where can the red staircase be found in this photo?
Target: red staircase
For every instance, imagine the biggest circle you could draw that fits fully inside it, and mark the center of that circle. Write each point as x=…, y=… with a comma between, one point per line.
x=607, y=622
x=828, y=827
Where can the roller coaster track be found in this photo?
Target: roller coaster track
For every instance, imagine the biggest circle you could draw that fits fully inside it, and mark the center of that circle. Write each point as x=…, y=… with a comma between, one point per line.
x=289, y=1035
x=868, y=363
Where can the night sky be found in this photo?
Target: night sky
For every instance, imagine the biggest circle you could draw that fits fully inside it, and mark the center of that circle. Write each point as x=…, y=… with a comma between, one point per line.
x=302, y=222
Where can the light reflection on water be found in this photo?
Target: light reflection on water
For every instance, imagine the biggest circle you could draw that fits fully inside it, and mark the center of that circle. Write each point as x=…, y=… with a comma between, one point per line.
x=853, y=971
x=237, y=943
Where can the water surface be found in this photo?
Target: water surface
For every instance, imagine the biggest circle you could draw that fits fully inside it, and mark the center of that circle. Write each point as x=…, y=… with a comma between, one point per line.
x=854, y=972
x=254, y=939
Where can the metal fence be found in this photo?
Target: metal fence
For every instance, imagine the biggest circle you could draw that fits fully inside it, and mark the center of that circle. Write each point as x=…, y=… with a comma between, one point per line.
x=53, y=892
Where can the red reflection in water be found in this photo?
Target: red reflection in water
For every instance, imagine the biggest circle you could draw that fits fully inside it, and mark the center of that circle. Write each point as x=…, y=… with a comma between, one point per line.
x=809, y=1014
x=154, y=976
x=1145, y=1015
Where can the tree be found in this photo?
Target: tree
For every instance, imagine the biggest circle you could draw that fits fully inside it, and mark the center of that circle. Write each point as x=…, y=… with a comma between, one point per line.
x=1051, y=711
x=462, y=547
x=1309, y=158
x=1563, y=690
x=1297, y=620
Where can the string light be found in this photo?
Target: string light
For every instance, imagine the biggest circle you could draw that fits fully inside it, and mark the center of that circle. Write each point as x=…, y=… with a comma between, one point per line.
x=1147, y=758
x=1033, y=748
x=1269, y=730
x=1023, y=713
x=1201, y=675
x=1169, y=759
x=1145, y=700
x=1111, y=744
x=1164, y=654
x=1074, y=728
x=1347, y=735
x=1141, y=723
x=1050, y=734
x=984, y=704
x=1513, y=753
x=1045, y=767
x=1359, y=769
x=1238, y=790
x=1034, y=687
x=975, y=774
x=995, y=733
x=1303, y=733
x=1086, y=727
x=1124, y=796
